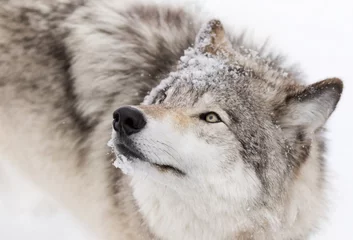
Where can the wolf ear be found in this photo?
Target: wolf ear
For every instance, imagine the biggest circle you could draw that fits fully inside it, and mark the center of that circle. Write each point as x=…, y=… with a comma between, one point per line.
x=212, y=39
x=312, y=106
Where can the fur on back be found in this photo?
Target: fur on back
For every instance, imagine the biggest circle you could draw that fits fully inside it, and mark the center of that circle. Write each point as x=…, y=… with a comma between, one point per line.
x=66, y=65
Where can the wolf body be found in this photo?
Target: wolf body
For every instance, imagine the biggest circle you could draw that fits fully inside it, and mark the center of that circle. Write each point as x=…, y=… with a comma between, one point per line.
x=227, y=144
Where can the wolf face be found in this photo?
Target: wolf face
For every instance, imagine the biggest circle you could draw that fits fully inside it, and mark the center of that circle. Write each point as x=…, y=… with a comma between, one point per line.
x=223, y=134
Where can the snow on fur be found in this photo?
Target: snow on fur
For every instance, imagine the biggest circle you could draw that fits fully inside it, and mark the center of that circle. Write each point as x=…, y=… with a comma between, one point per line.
x=198, y=70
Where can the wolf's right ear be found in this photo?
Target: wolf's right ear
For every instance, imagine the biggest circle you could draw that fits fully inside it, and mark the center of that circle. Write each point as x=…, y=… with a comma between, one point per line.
x=310, y=107
x=212, y=40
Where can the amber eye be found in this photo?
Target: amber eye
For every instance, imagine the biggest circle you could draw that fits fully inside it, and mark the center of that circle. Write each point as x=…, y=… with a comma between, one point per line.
x=210, y=117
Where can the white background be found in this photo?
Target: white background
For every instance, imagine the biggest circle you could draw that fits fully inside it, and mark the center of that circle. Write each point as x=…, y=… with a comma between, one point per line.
x=317, y=34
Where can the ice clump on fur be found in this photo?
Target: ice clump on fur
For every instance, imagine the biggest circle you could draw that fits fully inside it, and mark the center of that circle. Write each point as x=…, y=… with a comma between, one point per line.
x=123, y=163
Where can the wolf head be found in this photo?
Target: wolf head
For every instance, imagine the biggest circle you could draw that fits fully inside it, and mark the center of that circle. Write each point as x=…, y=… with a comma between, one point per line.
x=222, y=124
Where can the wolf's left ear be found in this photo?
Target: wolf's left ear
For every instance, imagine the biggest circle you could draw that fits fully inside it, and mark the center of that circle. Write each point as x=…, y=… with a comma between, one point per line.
x=310, y=107
x=212, y=39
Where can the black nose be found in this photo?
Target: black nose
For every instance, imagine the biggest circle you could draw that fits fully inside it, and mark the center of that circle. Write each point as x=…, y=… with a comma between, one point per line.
x=128, y=120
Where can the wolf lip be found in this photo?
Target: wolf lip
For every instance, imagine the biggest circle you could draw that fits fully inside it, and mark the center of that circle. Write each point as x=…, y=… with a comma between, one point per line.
x=128, y=151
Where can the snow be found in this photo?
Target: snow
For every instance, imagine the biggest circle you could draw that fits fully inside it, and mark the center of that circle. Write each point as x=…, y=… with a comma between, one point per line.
x=26, y=213
x=121, y=161
x=194, y=68
x=124, y=164
x=317, y=34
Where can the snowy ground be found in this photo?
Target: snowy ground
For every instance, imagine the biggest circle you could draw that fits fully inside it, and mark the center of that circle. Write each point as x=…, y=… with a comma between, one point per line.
x=318, y=34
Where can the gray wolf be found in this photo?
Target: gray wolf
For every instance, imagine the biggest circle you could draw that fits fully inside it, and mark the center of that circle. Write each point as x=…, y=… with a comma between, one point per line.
x=213, y=138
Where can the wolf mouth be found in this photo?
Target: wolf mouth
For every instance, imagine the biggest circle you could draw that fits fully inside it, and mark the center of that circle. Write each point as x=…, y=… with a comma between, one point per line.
x=130, y=152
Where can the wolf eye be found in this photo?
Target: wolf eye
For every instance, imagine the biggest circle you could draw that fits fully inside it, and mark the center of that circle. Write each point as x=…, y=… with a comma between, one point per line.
x=210, y=117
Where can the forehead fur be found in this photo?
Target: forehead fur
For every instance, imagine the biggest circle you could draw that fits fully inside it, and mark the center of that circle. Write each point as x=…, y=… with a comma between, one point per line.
x=201, y=71
x=198, y=73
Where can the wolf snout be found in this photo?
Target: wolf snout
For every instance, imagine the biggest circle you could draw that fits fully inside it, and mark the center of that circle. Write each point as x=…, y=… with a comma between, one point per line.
x=128, y=120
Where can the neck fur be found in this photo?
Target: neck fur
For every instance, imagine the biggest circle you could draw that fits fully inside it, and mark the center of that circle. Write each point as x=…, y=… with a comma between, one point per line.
x=191, y=214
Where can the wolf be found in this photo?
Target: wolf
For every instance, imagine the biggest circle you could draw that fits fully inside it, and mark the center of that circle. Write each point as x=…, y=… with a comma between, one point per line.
x=211, y=137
